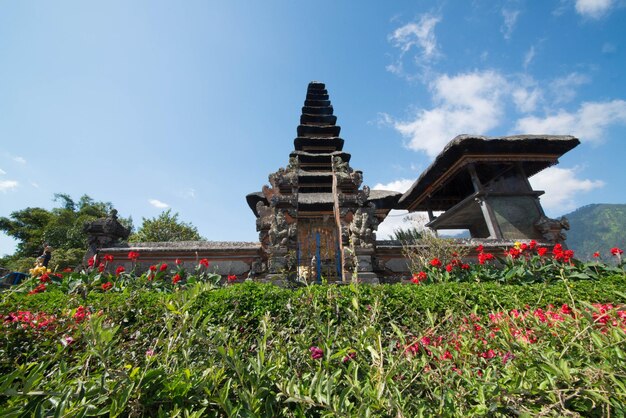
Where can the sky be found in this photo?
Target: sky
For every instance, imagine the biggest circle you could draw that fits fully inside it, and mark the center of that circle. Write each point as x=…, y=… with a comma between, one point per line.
x=188, y=106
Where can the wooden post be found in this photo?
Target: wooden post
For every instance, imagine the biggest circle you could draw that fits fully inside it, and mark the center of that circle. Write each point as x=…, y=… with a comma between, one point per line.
x=488, y=214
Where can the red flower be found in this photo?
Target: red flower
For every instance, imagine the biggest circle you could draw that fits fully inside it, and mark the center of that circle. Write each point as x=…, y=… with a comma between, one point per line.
x=204, y=262
x=153, y=268
x=163, y=267
x=90, y=262
x=484, y=257
x=524, y=247
x=532, y=244
x=133, y=255
x=351, y=355
x=617, y=251
x=480, y=248
x=106, y=286
x=108, y=258
x=596, y=254
x=514, y=253
x=558, y=249
x=178, y=262
x=67, y=270
x=465, y=266
x=316, y=353
x=176, y=279
x=38, y=289
x=45, y=278
x=435, y=262
x=449, y=268
x=419, y=277
x=119, y=270
x=231, y=278
x=101, y=267
x=542, y=251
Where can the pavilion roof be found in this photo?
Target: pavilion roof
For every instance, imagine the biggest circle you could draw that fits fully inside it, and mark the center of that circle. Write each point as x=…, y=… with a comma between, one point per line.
x=534, y=152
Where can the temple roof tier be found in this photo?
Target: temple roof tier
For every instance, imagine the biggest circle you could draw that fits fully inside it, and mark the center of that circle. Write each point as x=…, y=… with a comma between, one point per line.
x=318, y=119
x=446, y=181
x=309, y=157
x=318, y=144
x=317, y=110
x=319, y=130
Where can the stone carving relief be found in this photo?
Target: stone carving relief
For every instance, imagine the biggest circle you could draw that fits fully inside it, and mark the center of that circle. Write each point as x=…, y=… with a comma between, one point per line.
x=281, y=234
x=264, y=221
x=552, y=229
x=363, y=227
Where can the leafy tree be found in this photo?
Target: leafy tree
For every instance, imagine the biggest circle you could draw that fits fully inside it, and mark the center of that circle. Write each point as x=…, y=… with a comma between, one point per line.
x=61, y=228
x=165, y=227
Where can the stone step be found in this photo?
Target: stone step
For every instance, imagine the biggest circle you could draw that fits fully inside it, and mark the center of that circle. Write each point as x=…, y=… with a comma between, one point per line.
x=318, y=131
x=317, y=110
x=318, y=119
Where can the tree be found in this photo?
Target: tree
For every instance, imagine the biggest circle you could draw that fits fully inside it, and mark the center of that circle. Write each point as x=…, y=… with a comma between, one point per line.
x=61, y=228
x=166, y=227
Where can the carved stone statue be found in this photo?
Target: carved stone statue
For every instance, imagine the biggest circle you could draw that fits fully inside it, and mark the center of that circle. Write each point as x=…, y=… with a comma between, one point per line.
x=552, y=229
x=281, y=234
x=362, y=228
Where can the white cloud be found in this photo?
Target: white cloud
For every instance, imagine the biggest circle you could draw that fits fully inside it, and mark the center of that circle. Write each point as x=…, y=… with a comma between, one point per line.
x=397, y=219
x=594, y=9
x=562, y=187
x=564, y=88
x=6, y=185
x=158, y=204
x=418, y=35
x=526, y=98
x=467, y=103
x=401, y=185
x=35, y=185
x=2, y=172
x=588, y=123
x=529, y=57
x=19, y=160
x=510, y=19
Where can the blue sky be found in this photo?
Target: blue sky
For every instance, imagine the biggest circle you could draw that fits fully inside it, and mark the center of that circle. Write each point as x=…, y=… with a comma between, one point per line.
x=189, y=106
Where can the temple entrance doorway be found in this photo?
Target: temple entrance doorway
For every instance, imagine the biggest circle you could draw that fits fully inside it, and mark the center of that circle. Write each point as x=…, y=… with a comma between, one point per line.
x=318, y=254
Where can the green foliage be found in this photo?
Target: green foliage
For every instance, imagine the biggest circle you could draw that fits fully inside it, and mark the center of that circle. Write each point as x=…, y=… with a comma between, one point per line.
x=410, y=235
x=164, y=228
x=597, y=227
x=144, y=344
x=61, y=228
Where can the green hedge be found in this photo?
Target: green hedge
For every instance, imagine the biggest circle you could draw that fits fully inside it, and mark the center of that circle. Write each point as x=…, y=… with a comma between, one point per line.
x=246, y=303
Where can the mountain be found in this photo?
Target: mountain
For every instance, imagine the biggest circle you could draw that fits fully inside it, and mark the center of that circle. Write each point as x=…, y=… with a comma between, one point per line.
x=597, y=227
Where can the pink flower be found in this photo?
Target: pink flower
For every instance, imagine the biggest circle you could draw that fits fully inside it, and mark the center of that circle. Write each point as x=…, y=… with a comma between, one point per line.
x=350, y=356
x=149, y=353
x=316, y=353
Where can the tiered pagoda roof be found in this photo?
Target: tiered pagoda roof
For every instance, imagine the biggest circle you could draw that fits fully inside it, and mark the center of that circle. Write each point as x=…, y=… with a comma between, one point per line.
x=317, y=144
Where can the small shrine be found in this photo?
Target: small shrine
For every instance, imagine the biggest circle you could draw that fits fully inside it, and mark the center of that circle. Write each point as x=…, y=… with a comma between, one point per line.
x=315, y=215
